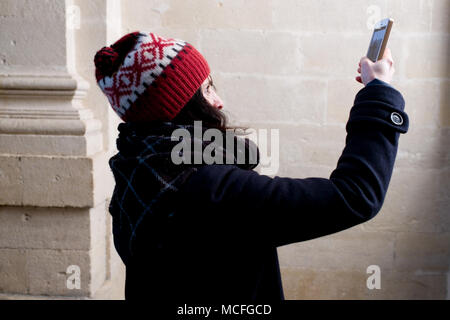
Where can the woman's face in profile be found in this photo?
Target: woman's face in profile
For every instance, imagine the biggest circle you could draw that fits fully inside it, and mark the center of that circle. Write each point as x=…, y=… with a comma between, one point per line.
x=209, y=92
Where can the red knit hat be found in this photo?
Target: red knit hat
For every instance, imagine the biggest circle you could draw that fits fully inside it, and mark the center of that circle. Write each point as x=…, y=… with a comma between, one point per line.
x=147, y=77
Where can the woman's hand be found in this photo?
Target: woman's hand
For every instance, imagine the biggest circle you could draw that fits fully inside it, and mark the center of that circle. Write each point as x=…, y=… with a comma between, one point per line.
x=382, y=70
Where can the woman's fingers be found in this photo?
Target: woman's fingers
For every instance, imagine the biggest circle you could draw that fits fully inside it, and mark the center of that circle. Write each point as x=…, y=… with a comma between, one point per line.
x=358, y=78
x=382, y=69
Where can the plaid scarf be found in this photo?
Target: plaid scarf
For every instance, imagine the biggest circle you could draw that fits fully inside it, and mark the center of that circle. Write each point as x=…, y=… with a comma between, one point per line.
x=147, y=180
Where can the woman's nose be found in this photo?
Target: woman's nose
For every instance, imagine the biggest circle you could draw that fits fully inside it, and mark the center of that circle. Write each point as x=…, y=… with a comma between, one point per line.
x=218, y=103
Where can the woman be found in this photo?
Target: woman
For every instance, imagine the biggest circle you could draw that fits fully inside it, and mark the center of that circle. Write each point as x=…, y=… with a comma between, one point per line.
x=196, y=231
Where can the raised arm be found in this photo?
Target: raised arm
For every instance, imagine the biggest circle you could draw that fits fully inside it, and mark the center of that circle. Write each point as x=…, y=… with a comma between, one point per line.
x=287, y=210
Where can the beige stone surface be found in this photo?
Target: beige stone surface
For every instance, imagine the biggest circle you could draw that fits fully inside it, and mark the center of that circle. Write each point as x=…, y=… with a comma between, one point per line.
x=93, y=34
x=422, y=251
x=323, y=16
x=298, y=144
x=413, y=15
x=46, y=180
x=351, y=249
x=44, y=228
x=19, y=20
x=306, y=101
x=323, y=54
x=36, y=144
x=423, y=110
x=286, y=65
x=444, y=110
x=340, y=97
x=413, y=203
x=42, y=271
x=246, y=51
x=53, y=215
x=13, y=267
x=440, y=21
x=99, y=228
x=247, y=14
x=423, y=148
x=424, y=51
x=293, y=70
x=313, y=284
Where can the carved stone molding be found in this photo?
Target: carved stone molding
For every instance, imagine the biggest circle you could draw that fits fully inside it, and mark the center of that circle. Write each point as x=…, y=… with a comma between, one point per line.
x=48, y=106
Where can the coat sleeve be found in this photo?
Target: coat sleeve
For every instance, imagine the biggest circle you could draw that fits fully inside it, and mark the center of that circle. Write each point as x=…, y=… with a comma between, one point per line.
x=289, y=210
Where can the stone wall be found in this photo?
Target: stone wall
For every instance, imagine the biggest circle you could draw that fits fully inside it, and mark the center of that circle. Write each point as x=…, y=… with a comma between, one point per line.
x=290, y=65
x=286, y=65
x=55, y=184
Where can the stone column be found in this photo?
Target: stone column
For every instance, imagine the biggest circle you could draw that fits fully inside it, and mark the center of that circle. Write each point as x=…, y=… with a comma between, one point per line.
x=54, y=178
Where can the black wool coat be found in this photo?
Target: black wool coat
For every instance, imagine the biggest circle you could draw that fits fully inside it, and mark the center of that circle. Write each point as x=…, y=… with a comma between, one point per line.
x=222, y=243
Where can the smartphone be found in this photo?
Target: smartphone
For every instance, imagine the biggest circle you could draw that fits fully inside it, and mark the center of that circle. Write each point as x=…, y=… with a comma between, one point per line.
x=379, y=39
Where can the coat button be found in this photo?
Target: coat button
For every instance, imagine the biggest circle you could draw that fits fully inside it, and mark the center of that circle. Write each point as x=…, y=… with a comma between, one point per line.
x=396, y=118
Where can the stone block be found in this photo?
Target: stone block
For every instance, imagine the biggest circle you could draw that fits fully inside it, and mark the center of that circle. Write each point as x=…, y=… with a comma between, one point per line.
x=440, y=21
x=245, y=51
x=426, y=56
x=306, y=284
x=11, y=181
x=301, y=146
x=47, y=272
x=411, y=203
x=423, y=148
x=340, y=97
x=422, y=252
x=327, y=55
x=274, y=99
x=423, y=109
x=314, y=145
x=43, y=271
x=38, y=245
x=38, y=144
x=13, y=271
x=114, y=286
x=217, y=14
x=411, y=15
x=132, y=16
x=46, y=181
x=99, y=263
x=325, y=16
x=98, y=254
x=44, y=228
x=444, y=114
x=20, y=20
x=103, y=179
x=443, y=200
x=351, y=249
x=400, y=50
